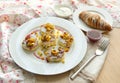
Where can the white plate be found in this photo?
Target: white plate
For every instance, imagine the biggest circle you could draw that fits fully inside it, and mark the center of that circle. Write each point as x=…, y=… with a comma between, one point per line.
x=32, y=64
x=104, y=14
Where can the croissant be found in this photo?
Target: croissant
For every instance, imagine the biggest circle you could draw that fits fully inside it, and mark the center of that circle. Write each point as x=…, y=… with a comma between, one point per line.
x=94, y=21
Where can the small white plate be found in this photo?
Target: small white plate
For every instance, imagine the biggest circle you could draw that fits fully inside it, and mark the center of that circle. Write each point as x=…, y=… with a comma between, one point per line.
x=104, y=14
x=32, y=64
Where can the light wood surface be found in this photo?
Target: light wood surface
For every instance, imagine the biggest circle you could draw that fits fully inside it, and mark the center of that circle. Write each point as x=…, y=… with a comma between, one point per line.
x=110, y=72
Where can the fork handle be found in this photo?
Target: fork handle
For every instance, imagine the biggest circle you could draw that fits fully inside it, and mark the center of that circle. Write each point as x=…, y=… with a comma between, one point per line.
x=75, y=74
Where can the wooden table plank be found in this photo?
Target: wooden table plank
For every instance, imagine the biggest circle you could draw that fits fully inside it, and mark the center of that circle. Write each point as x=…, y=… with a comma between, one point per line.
x=111, y=69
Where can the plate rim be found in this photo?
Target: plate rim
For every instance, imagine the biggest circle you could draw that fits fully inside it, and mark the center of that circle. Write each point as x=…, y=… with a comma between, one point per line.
x=25, y=24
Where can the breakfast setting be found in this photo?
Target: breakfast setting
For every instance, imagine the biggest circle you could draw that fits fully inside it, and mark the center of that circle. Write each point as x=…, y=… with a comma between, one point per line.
x=59, y=41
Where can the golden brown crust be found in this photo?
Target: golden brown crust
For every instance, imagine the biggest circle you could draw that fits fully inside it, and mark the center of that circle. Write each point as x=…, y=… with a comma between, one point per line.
x=94, y=21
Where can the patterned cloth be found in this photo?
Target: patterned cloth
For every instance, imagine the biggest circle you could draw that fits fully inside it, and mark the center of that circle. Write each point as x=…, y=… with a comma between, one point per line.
x=13, y=14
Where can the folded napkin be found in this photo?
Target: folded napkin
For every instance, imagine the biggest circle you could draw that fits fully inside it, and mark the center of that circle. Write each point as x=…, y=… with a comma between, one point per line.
x=14, y=14
x=91, y=71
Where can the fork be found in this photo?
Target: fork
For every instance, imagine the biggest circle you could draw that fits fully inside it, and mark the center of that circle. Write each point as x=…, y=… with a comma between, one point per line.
x=99, y=51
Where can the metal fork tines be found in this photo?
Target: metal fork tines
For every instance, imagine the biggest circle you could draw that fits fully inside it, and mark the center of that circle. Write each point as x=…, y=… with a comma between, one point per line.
x=99, y=51
x=102, y=46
